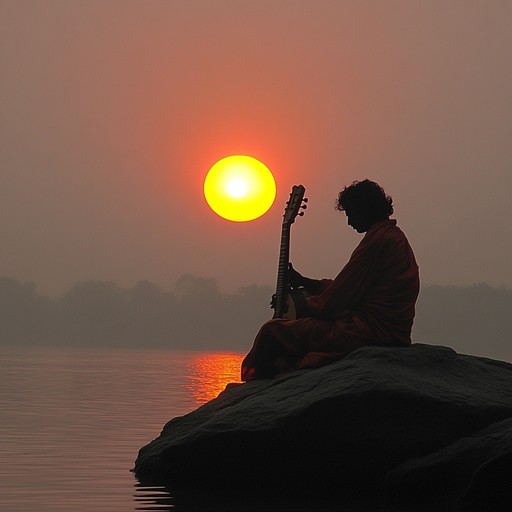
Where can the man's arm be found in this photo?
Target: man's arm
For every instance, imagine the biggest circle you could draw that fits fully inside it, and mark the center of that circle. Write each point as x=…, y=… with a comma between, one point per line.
x=297, y=280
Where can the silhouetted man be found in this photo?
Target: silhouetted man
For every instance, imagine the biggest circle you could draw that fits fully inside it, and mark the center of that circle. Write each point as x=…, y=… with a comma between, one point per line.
x=370, y=302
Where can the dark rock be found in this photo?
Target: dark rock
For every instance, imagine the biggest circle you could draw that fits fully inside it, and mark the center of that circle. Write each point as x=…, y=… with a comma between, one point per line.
x=418, y=425
x=474, y=470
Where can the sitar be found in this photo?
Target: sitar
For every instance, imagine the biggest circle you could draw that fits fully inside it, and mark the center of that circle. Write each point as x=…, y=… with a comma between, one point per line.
x=287, y=302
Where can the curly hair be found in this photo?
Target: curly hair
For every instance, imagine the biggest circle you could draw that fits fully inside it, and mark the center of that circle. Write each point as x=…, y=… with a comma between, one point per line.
x=368, y=196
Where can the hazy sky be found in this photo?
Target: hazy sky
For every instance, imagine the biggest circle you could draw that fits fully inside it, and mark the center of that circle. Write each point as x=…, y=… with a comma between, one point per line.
x=112, y=112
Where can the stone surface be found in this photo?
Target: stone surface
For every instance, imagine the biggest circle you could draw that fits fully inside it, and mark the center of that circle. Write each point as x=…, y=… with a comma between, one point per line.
x=414, y=425
x=474, y=471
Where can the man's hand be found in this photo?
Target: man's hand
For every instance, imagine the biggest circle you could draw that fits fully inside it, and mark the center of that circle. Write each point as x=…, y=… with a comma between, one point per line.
x=297, y=280
x=294, y=278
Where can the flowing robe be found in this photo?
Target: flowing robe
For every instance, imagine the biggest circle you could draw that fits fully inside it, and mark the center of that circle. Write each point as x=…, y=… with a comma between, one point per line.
x=370, y=302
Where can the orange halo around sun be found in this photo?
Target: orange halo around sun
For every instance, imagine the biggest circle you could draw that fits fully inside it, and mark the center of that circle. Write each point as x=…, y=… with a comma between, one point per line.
x=239, y=188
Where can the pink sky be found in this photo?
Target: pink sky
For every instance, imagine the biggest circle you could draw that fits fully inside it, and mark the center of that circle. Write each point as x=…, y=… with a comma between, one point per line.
x=112, y=113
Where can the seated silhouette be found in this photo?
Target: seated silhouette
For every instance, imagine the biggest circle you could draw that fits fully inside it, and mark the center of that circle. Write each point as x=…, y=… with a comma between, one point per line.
x=370, y=302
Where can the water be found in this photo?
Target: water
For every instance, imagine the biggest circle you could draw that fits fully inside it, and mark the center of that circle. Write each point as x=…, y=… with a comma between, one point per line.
x=72, y=421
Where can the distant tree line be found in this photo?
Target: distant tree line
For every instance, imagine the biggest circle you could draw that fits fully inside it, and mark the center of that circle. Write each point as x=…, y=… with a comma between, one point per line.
x=194, y=315
x=197, y=315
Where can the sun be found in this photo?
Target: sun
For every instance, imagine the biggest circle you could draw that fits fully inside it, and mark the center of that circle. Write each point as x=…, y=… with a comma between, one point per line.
x=239, y=188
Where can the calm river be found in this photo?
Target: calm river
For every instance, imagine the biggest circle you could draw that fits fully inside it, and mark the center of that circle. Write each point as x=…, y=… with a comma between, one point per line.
x=73, y=420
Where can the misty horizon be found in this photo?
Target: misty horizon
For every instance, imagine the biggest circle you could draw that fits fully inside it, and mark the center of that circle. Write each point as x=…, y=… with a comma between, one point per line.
x=197, y=315
x=171, y=286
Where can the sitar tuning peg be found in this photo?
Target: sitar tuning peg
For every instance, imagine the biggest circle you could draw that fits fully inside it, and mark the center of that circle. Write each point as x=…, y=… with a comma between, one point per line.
x=301, y=214
x=304, y=206
x=305, y=199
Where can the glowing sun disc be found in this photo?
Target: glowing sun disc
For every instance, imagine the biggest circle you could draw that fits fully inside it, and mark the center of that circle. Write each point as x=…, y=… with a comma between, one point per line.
x=239, y=188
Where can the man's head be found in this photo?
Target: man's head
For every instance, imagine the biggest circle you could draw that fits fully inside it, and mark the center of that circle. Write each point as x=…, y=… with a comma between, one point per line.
x=364, y=203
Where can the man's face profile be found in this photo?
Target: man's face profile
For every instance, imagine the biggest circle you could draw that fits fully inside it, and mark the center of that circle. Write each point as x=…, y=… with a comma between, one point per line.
x=358, y=220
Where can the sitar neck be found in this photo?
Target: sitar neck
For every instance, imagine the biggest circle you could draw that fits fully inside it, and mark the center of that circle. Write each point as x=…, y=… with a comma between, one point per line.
x=282, y=273
x=293, y=207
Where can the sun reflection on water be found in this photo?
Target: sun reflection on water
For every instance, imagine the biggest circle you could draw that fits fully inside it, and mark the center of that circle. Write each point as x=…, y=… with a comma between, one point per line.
x=210, y=373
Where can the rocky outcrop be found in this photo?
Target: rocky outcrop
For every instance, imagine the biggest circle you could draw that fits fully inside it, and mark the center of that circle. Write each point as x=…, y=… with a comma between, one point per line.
x=416, y=425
